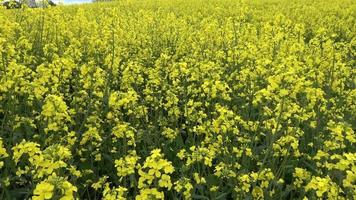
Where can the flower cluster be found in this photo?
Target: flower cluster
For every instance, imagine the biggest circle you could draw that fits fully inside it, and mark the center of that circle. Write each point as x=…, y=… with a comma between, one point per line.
x=179, y=99
x=154, y=172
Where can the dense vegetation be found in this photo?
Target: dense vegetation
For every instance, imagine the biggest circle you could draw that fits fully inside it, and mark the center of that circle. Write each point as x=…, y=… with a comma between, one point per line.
x=180, y=99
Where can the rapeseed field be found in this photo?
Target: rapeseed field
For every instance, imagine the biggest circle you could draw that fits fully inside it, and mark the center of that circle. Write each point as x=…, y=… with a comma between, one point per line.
x=179, y=99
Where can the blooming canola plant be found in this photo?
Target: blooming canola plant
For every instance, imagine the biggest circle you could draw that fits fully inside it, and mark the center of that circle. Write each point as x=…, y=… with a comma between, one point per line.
x=179, y=99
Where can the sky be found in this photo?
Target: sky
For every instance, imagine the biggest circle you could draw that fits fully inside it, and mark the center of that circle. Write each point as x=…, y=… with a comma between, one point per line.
x=76, y=1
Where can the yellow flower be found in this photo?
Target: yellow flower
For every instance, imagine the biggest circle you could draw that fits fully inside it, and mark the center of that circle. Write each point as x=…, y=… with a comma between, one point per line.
x=43, y=190
x=126, y=166
x=152, y=193
x=169, y=133
x=183, y=185
x=155, y=167
x=165, y=181
x=248, y=152
x=214, y=188
x=55, y=112
x=257, y=193
x=100, y=183
x=3, y=153
x=198, y=179
x=350, y=180
x=114, y=193
x=301, y=175
x=323, y=186
x=69, y=190
x=124, y=130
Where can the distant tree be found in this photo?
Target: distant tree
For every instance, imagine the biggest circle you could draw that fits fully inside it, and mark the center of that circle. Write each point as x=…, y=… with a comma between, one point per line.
x=11, y=4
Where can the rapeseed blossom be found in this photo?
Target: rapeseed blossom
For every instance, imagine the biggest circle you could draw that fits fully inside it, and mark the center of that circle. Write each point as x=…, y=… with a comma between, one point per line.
x=178, y=99
x=43, y=191
x=3, y=153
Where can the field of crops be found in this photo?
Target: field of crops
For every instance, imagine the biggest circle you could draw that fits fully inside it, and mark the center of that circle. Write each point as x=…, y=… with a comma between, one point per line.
x=179, y=99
